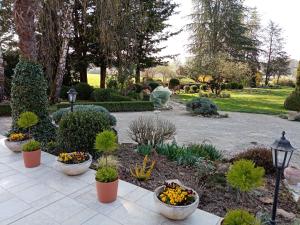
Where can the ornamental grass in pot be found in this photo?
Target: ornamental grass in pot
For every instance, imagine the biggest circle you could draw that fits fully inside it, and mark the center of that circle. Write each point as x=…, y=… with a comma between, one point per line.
x=25, y=122
x=107, y=174
x=32, y=154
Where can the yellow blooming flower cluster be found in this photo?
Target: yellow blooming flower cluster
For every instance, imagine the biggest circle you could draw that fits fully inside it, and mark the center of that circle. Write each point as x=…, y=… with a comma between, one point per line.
x=176, y=195
x=73, y=157
x=17, y=137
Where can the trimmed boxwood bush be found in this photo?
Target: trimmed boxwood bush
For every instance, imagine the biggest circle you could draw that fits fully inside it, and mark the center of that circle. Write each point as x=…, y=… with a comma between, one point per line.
x=5, y=110
x=132, y=106
x=77, y=131
x=108, y=95
x=202, y=106
x=84, y=91
x=84, y=108
x=29, y=93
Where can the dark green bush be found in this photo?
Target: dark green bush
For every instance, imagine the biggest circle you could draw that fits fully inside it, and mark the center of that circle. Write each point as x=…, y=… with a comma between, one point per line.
x=64, y=92
x=174, y=82
x=77, y=131
x=84, y=91
x=293, y=101
x=28, y=93
x=204, y=87
x=108, y=95
x=260, y=156
x=5, y=109
x=202, y=106
x=153, y=85
x=234, y=86
x=113, y=84
x=138, y=88
x=57, y=116
x=132, y=106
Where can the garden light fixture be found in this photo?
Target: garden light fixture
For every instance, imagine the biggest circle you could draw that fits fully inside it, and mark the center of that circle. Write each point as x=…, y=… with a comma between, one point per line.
x=282, y=152
x=72, y=93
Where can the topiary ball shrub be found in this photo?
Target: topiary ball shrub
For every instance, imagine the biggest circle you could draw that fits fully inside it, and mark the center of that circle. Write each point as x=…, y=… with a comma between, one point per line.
x=260, y=156
x=202, y=106
x=245, y=176
x=29, y=93
x=293, y=101
x=84, y=91
x=186, y=89
x=77, y=131
x=194, y=89
x=240, y=217
x=57, y=116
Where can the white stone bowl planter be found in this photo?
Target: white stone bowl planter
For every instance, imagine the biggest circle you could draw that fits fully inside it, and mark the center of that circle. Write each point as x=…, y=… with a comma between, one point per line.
x=74, y=169
x=15, y=146
x=175, y=212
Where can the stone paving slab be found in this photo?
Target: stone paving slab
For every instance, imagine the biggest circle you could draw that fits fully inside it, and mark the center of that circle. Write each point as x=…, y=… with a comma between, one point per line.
x=44, y=196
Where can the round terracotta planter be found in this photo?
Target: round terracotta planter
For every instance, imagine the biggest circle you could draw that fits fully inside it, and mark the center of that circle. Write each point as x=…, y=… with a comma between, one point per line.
x=107, y=192
x=32, y=159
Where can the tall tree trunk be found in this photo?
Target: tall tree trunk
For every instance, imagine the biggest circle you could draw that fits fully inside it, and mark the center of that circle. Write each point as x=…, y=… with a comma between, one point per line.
x=1, y=76
x=138, y=74
x=83, y=74
x=24, y=13
x=103, y=75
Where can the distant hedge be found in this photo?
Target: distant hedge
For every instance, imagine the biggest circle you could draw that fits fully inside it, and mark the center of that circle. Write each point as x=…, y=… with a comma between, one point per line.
x=5, y=110
x=126, y=106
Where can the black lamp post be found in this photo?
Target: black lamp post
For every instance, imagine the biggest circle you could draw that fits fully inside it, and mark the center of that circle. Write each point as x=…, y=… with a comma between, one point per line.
x=72, y=93
x=282, y=152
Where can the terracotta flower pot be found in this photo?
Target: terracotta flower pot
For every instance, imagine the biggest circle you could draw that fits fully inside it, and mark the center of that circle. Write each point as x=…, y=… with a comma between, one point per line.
x=107, y=192
x=32, y=159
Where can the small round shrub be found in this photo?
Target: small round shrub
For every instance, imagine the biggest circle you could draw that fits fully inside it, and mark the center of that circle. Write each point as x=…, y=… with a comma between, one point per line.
x=260, y=156
x=293, y=101
x=31, y=146
x=225, y=95
x=84, y=91
x=106, y=174
x=112, y=84
x=194, y=89
x=77, y=131
x=173, y=83
x=153, y=85
x=202, y=106
x=240, y=217
x=186, y=89
x=57, y=116
x=244, y=176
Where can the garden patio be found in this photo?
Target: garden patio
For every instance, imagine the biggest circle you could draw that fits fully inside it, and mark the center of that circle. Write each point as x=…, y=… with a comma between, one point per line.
x=46, y=196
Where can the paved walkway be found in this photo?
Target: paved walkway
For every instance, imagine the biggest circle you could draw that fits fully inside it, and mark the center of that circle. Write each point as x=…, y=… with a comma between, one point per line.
x=44, y=196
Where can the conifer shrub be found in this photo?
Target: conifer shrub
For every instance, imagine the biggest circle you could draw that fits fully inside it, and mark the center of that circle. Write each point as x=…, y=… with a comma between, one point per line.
x=240, y=217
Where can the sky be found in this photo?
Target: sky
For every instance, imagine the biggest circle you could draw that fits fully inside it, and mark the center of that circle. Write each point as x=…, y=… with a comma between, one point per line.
x=285, y=13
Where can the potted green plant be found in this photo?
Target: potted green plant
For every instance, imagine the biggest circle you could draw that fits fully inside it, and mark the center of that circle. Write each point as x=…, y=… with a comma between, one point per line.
x=107, y=174
x=32, y=154
x=15, y=140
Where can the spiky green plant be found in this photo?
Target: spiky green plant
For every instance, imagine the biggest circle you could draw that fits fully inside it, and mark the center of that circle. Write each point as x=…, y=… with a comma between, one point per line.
x=240, y=217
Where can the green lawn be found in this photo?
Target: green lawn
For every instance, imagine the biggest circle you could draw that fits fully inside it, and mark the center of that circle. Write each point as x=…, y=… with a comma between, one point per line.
x=257, y=100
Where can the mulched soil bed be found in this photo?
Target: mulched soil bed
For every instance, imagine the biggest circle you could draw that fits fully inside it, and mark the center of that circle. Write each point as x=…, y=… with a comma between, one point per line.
x=215, y=195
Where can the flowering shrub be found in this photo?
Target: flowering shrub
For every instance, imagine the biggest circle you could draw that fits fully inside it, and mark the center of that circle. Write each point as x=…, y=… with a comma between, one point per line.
x=17, y=137
x=173, y=194
x=73, y=157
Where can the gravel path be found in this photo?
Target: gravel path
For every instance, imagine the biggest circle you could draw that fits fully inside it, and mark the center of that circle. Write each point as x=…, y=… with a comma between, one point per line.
x=231, y=135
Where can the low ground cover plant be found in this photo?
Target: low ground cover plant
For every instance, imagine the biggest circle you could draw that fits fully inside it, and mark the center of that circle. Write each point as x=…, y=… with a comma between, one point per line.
x=202, y=106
